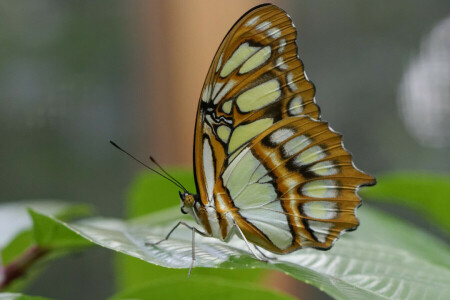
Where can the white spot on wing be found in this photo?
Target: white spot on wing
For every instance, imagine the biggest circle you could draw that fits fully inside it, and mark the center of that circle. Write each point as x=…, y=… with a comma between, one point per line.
x=241, y=54
x=274, y=32
x=206, y=93
x=280, y=63
x=256, y=60
x=263, y=26
x=281, y=45
x=324, y=168
x=295, y=145
x=226, y=107
x=224, y=133
x=252, y=21
x=280, y=135
x=295, y=106
x=271, y=220
x=244, y=133
x=259, y=96
x=219, y=63
x=217, y=87
x=224, y=91
x=290, y=81
x=208, y=167
x=309, y=156
x=320, y=229
x=324, y=210
x=212, y=218
x=325, y=188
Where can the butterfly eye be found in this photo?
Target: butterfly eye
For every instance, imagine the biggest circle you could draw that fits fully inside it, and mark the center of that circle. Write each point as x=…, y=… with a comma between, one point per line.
x=189, y=200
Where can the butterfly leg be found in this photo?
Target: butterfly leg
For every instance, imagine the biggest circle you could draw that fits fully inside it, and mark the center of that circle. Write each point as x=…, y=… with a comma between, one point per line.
x=193, y=252
x=263, y=255
x=194, y=230
x=173, y=229
x=248, y=245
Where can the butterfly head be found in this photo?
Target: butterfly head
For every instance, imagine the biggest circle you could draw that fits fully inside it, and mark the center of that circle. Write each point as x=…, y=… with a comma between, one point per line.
x=187, y=201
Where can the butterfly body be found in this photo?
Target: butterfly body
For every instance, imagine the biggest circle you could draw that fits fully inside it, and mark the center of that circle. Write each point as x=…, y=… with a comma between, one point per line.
x=267, y=168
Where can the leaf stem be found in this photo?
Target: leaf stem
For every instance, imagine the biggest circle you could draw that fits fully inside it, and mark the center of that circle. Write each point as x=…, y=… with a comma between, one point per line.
x=20, y=266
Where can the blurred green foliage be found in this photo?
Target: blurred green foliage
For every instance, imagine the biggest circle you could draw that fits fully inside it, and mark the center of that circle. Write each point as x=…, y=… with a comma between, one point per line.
x=199, y=288
x=426, y=193
x=17, y=296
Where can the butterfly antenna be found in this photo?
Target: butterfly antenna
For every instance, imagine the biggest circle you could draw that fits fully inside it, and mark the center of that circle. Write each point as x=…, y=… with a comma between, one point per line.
x=150, y=168
x=165, y=172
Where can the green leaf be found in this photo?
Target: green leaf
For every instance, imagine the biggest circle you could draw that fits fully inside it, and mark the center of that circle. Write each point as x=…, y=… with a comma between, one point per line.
x=14, y=217
x=150, y=193
x=428, y=194
x=384, y=258
x=51, y=235
x=16, y=233
x=18, y=236
x=199, y=288
x=17, y=296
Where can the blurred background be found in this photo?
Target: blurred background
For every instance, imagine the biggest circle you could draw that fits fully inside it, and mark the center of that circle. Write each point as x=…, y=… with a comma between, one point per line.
x=75, y=74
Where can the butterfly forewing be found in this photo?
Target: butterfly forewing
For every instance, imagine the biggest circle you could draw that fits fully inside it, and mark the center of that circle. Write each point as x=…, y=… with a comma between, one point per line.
x=255, y=76
x=261, y=154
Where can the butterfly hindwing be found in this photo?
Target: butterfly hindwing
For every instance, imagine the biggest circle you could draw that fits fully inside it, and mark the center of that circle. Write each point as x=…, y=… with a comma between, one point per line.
x=296, y=173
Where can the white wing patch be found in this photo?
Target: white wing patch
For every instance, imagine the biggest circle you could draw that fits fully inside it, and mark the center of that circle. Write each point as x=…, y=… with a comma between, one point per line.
x=272, y=222
x=324, y=168
x=208, y=167
x=280, y=64
x=258, y=59
x=259, y=96
x=226, y=107
x=206, y=95
x=257, y=202
x=238, y=174
x=224, y=91
x=321, y=209
x=237, y=58
x=295, y=145
x=274, y=32
x=216, y=89
x=325, y=188
x=290, y=81
x=281, y=46
x=244, y=133
x=295, y=106
x=252, y=21
x=263, y=26
x=320, y=229
x=224, y=133
x=213, y=222
x=219, y=63
x=309, y=156
x=280, y=135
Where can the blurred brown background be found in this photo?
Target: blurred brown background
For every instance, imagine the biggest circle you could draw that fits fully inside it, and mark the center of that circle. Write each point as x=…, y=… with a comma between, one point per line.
x=75, y=74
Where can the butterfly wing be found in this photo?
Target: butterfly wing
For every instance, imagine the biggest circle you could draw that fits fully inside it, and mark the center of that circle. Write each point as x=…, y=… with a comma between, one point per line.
x=255, y=80
x=294, y=184
x=255, y=86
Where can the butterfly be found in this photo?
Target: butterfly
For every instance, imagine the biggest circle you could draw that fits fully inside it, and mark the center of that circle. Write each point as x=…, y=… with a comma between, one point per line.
x=267, y=168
